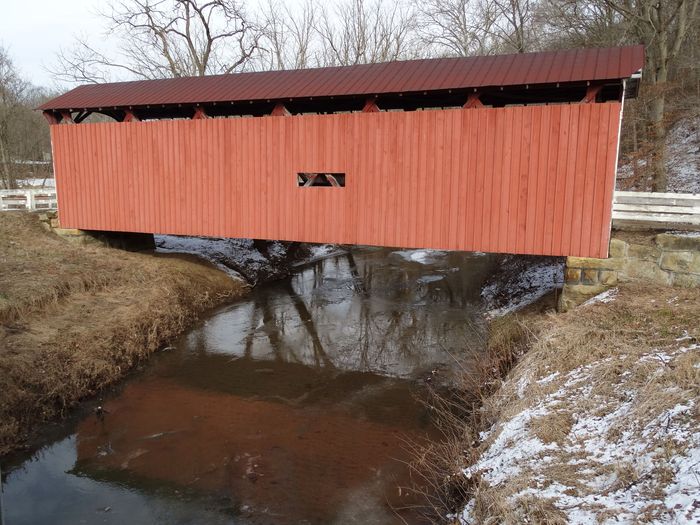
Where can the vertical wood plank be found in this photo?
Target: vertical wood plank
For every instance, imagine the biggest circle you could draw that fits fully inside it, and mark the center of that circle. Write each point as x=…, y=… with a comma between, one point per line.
x=533, y=179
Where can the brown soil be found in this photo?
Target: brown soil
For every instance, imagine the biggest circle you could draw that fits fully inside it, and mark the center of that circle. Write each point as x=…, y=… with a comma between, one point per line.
x=75, y=318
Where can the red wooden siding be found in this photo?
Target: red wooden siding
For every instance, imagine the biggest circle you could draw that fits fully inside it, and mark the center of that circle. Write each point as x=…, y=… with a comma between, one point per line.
x=531, y=179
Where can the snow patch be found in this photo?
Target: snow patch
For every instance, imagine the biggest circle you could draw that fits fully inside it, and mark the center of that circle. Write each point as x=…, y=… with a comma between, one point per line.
x=421, y=256
x=207, y=249
x=607, y=296
x=514, y=437
x=597, y=441
x=48, y=182
x=256, y=262
x=683, y=156
x=548, y=379
x=322, y=250
x=520, y=282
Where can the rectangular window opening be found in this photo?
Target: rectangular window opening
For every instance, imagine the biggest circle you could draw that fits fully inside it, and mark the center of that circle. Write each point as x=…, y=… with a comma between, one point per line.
x=328, y=180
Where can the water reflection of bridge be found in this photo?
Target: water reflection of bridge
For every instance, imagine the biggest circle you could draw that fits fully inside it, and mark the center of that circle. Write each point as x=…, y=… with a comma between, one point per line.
x=294, y=462
x=399, y=317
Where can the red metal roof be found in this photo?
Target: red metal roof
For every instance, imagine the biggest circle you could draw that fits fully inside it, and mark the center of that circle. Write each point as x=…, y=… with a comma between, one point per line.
x=574, y=65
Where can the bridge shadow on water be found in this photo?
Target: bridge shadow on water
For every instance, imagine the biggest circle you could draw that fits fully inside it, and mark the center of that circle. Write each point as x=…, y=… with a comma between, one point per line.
x=291, y=405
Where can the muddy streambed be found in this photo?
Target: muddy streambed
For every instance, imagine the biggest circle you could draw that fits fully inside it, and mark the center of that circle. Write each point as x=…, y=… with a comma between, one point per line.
x=292, y=405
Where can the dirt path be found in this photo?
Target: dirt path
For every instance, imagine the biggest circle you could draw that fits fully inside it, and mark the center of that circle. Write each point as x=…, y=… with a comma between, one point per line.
x=75, y=318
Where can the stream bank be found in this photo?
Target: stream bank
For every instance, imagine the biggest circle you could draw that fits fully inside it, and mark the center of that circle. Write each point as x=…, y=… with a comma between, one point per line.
x=590, y=416
x=76, y=318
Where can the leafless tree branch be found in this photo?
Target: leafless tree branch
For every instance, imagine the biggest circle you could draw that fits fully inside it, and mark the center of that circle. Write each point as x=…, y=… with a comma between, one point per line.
x=166, y=38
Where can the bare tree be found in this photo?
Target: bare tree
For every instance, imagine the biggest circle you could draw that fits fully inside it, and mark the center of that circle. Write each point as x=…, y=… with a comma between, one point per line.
x=24, y=137
x=358, y=32
x=166, y=38
x=11, y=87
x=513, y=24
x=478, y=27
x=288, y=36
x=454, y=27
x=581, y=23
x=662, y=27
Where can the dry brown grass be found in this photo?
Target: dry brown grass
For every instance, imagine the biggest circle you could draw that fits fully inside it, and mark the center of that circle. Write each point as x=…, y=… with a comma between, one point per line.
x=492, y=506
x=612, y=337
x=627, y=349
x=554, y=427
x=74, y=319
x=437, y=466
x=38, y=268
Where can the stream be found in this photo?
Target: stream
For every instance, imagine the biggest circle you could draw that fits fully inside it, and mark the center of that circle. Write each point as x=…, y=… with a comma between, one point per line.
x=292, y=405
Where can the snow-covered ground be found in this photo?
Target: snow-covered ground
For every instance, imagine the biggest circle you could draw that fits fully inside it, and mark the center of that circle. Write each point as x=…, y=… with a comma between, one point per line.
x=682, y=158
x=607, y=296
x=241, y=257
x=316, y=252
x=613, y=439
x=37, y=183
x=596, y=445
x=520, y=281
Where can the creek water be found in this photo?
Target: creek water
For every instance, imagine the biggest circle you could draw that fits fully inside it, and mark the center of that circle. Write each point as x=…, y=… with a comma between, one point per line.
x=294, y=404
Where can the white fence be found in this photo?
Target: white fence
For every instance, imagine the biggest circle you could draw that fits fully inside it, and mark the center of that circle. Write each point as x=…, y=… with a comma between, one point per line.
x=30, y=199
x=631, y=209
x=640, y=210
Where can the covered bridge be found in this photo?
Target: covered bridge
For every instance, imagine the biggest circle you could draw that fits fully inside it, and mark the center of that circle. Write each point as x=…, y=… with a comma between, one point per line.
x=511, y=153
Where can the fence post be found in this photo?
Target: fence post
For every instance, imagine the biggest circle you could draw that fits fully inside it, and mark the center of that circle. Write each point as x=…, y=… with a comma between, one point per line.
x=29, y=194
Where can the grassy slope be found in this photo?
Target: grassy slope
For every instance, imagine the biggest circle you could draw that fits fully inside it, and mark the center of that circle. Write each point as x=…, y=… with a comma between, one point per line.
x=74, y=319
x=599, y=420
